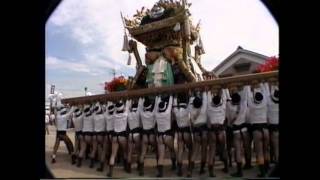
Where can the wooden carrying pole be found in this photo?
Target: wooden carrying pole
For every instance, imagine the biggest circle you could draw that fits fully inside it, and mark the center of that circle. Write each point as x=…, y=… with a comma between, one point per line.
x=213, y=84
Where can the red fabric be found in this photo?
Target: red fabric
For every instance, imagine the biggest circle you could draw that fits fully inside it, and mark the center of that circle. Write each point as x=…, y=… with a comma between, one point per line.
x=271, y=64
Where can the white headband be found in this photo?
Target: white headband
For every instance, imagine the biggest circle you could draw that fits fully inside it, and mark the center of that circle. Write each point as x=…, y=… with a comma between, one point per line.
x=164, y=107
x=120, y=108
x=148, y=107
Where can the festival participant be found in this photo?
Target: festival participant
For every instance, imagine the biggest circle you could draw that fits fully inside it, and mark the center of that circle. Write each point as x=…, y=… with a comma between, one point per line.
x=247, y=143
x=135, y=128
x=87, y=132
x=236, y=113
x=148, y=130
x=165, y=134
x=109, y=124
x=98, y=133
x=217, y=114
x=229, y=141
x=273, y=117
x=47, y=121
x=120, y=134
x=181, y=109
x=198, y=114
x=52, y=118
x=257, y=104
x=78, y=124
x=62, y=117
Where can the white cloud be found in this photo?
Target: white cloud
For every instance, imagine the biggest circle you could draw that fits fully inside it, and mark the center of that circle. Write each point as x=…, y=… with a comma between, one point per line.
x=92, y=65
x=56, y=63
x=225, y=25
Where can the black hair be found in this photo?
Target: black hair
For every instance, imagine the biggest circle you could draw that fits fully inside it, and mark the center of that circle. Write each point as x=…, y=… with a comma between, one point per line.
x=216, y=100
x=63, y=112
x=162, y=104
x=96, y=108
x=134, y=105
x=76, y=110
x=87, y=109
x=197, y=102
x=258, y=96
x=119, y=104
x=182, y=98
x=77, y=115
x=165, y=97
x=276, y=93
x=110, y=107
x=183, y=106
x=146, y=102
x=235, y=98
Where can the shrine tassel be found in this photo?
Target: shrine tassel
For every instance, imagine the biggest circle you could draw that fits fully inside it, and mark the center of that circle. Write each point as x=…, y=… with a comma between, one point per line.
x=201, y=46
x=129, y=60
x=125, y=46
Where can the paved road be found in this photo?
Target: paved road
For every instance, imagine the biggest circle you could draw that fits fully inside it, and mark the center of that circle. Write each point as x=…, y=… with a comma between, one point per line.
x=63, y=168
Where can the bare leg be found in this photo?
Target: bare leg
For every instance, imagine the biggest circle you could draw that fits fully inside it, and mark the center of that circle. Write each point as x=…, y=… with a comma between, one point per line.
x=144, y=145
x=179, y=153
x=124, y=143
x=247, y=149
x=161, y=153
x=76, y=149
x=258, y=146
x=212, y=152
x=180, y=147
x=103, y=155
x=169, y=142
x=229, y=145
x=100, y=140
x=130, y=150
x=238, y=148
x=100, y=144
x=237, y=145
x=55, y=149
x=47, y=129
x=222, y=140
x=275, y=142
x=94, y=150
x=188, y=142
x=83, y=147
x=68, y=143
x=76, y=145
x=115, y=147
x=204, y=148
x=196, y=146
x=266, y=148
x=136, y=148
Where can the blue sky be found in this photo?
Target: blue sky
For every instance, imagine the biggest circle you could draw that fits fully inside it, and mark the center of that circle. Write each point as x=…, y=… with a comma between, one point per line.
x=84, y=38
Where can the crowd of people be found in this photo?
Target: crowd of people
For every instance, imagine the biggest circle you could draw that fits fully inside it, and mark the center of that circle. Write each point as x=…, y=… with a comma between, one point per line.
x=226, y=123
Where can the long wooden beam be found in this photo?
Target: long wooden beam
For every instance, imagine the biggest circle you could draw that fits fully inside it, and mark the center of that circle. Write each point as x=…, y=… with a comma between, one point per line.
x=215, y=84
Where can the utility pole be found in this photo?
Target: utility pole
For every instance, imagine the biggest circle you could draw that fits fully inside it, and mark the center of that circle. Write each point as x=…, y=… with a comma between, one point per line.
x=85, y=91
x=114, y=73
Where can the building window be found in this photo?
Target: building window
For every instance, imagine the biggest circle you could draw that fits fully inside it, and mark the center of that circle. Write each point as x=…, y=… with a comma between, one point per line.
x=242, y=67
